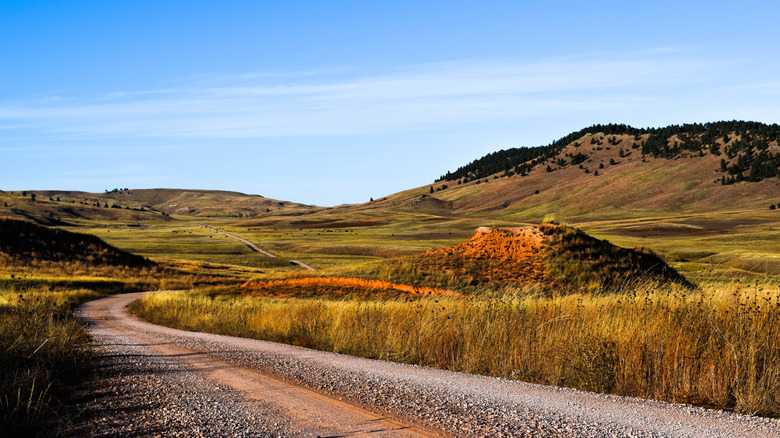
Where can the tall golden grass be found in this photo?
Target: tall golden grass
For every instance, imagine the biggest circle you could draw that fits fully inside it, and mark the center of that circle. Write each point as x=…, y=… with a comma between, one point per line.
x=717, y=347
x=39, y=341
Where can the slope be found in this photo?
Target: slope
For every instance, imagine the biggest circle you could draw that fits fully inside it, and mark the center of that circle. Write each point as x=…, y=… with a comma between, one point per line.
x=614, y=171
x=57, y=207
x=27, y=246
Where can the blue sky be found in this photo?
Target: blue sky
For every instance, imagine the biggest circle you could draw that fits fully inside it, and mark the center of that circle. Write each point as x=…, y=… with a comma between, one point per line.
x=339, y=101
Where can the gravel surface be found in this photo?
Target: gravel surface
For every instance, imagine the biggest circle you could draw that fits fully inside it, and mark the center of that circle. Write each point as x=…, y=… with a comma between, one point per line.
x=143, y=394
x=456, y=404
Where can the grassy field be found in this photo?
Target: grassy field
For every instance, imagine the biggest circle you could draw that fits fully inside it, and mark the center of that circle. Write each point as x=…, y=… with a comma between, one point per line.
x=716, y=347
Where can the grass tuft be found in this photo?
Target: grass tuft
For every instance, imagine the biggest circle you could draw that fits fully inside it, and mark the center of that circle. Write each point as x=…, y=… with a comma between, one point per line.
x=41, y=355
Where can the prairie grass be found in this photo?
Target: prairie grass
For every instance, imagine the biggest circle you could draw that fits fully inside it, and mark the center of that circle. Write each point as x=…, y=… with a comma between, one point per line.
x=41, y=355
x=715, y=347
x=43, y=349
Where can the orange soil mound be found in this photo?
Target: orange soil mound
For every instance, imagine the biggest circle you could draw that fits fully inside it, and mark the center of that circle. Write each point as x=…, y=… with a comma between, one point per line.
x=189, y=266
x=494, y=256
x=338, y=285
x=556, y=256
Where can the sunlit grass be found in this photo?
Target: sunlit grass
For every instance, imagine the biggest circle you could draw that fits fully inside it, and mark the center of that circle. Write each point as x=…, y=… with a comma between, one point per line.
x=40, y=342
x=716, y=347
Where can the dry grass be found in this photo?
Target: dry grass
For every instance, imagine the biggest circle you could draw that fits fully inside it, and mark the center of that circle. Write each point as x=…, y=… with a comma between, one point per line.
x=41, y=355
x=716, y=347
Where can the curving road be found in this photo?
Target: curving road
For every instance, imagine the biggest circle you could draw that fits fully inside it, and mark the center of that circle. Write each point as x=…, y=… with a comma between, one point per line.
x=161, y=381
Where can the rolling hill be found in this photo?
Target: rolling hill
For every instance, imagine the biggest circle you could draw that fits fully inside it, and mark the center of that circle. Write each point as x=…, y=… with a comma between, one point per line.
x=614, y=171
x=27, y=245
x=56, y=207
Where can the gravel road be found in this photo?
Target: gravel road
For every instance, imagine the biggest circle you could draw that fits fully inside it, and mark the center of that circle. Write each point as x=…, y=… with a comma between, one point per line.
x=158, y=381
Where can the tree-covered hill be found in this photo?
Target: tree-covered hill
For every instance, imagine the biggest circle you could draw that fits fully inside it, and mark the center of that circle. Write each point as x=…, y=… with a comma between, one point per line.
x=749, y=149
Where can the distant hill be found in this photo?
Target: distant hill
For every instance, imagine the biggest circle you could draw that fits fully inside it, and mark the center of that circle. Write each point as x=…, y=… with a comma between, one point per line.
x=58, y=207
x=614, y=171
x=27, y=244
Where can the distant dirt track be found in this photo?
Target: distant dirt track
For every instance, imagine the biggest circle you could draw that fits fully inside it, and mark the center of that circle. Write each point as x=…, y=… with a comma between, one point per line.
x=255, y=248
x=212, y=385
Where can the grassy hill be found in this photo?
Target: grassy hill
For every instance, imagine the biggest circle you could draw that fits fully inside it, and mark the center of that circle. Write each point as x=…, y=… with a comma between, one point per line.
x=29, y=246
x=56, y=207
x=615, y=171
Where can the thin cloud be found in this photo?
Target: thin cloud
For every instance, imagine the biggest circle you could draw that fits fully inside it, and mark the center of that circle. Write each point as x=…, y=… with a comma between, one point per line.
x=432, y=96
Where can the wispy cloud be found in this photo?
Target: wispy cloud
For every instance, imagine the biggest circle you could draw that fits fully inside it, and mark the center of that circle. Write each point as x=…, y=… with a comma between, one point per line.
x=431, y=96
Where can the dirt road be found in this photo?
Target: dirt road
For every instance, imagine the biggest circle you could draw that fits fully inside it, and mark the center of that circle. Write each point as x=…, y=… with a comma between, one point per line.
x=161, y=381
x=255, y=248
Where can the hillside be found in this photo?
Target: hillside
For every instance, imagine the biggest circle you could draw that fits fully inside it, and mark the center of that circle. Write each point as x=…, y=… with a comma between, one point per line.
x=750, y=149
x=552, y=256
x=615, y=171
x=27, y=245
x=64, y=207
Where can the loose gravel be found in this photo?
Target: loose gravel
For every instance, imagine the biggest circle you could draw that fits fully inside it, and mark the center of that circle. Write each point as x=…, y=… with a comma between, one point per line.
x=143, y=394
x=456, y=404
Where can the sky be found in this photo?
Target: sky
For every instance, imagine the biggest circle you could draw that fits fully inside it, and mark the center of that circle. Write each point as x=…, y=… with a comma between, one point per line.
x=332, y=102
